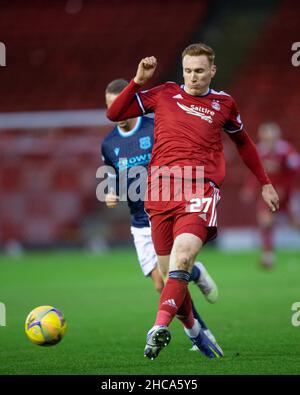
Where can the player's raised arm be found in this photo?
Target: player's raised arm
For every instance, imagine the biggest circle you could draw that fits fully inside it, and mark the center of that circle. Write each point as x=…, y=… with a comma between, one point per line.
x=126, y=106
x=250, y=157
x=145, y=70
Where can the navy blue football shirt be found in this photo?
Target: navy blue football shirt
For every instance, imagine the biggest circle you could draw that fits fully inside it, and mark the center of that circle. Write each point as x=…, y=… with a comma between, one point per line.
x=135, y=146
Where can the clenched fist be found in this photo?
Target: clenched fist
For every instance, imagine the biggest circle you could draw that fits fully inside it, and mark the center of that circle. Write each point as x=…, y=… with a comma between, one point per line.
x=145, y=70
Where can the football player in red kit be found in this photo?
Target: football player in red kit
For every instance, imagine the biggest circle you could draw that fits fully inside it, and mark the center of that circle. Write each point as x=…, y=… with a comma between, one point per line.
x=189, y=120
x=282, y=162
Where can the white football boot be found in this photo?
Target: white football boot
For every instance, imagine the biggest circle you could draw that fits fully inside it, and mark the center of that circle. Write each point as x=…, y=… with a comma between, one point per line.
x=157, y=338
x=206, y=284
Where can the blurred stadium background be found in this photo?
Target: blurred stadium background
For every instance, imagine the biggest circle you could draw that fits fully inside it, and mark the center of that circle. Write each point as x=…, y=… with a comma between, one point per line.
x=59, y=58
x=60, y=55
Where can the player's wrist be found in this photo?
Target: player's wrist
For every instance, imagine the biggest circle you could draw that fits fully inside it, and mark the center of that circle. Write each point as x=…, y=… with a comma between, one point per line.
x=266, y=185
x=263, y=178
x=138, y=81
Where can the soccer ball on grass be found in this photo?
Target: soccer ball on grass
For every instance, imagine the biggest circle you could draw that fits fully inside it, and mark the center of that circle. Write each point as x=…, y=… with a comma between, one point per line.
x=45, y=326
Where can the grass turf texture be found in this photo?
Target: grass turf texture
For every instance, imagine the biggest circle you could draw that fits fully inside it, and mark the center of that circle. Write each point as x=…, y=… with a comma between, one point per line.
x=109, y=307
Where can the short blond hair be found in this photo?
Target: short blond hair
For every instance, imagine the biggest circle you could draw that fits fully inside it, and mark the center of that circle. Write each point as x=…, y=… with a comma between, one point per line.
x=200, y=49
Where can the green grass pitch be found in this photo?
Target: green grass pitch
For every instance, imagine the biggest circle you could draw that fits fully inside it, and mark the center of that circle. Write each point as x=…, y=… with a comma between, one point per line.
x=109, y=307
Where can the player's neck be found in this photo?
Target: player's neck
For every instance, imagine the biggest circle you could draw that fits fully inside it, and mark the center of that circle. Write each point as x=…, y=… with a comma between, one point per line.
x=130, y=125
x=203, y=92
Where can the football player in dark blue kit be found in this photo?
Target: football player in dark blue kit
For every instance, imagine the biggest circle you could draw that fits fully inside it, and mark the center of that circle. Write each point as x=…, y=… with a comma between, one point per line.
x=129, y=145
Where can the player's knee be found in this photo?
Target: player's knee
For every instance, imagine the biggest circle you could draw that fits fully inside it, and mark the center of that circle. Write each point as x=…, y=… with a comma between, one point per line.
x=183, y=262
x=184, y=257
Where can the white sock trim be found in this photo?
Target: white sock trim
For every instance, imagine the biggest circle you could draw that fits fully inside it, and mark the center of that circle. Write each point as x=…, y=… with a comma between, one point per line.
x=194, y=331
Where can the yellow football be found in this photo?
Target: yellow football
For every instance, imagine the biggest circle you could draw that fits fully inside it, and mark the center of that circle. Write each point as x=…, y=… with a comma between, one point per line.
x=45, y=326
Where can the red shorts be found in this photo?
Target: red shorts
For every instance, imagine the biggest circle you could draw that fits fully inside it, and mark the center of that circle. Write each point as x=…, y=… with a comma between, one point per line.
x=198, y=217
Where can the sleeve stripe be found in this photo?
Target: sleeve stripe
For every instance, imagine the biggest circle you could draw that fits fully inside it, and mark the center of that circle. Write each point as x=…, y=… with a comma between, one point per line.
x=140, y=103
x=234, y=131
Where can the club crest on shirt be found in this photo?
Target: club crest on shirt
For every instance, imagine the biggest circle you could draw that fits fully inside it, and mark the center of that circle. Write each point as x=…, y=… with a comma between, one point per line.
x=216, y=105
x=145, y=142
x=116, y=151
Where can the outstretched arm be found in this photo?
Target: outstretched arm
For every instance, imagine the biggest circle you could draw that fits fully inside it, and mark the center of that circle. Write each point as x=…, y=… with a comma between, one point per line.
x=249, y=155
x=125, y=105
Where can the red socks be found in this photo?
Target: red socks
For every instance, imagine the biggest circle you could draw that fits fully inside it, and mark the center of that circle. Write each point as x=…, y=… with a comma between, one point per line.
x=185, y=311
x=175, y=299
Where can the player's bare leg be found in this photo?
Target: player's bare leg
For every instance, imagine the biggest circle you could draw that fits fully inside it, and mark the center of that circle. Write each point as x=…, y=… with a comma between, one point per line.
x=199, y=275
x=157, y=279
x=185, y=249
x=163, y=263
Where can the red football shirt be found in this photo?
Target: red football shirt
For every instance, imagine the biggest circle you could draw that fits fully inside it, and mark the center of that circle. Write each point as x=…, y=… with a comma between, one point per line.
x=188, y=128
